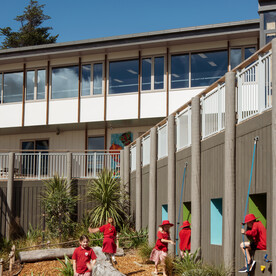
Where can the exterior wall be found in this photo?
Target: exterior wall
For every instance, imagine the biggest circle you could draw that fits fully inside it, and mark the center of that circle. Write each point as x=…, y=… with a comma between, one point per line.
x=162, y=188
x=145, y=196
x=212, y=182
x=261, y=178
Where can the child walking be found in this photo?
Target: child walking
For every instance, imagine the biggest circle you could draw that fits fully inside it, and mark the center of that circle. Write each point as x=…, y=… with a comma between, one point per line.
x=84, y=258
x=185, y=238
x=159, y=252
x=109, y=245
x=256, y=233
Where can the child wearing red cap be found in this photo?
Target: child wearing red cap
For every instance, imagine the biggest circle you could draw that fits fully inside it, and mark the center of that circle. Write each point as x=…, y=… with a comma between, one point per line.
x=84, y=258
x=159, y=252
x=109, y=245
x=185, y=238
x=256, y=233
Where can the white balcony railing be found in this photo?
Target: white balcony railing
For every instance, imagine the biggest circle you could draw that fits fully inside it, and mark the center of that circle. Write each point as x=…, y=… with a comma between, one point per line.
x=133, y=158
x=4, y=164
x=213, y=111
x=146, y=150
x=183, y=128
x=162, y=141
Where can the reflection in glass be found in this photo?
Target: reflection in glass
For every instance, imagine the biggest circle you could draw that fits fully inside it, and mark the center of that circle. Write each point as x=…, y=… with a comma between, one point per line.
x=13, y=85
x=123, y=76
x=159, y=73
x=249, y=52
x=65, y=82
x=30, y=83
x=85, y=79
x=41, y=75
x=179, y=71
x=146, y=74
x=235, y=57
x=96, y=143
x=270, y=37
x=207, y=68
x=270, y=20
x=97, y=78
x=0, y=87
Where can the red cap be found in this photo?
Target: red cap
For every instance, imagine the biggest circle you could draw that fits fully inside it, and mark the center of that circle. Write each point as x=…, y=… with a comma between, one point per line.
x=248, y=218
x=186, y=223
x=166, y=222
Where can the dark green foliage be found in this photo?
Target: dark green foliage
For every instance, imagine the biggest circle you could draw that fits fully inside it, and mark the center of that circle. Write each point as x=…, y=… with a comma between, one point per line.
x=31, y=31
x=131, y=238
x=59, y=206
x=67, y=267
x=109, y=200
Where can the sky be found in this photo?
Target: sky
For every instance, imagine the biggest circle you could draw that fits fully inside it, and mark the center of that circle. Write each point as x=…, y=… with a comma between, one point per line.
x=85, y=19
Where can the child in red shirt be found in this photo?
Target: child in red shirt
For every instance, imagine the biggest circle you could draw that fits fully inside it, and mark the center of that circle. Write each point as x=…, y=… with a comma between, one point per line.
x=84, y=258
x=159, y=252
x=256, y=233
x=109, y=245
x=185, y=238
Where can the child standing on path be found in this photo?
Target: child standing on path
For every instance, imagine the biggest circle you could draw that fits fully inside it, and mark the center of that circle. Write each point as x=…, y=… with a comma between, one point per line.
x=185, y=238
x=84, y=258
x=256, y=233
x=159, y=252
x=109, y=245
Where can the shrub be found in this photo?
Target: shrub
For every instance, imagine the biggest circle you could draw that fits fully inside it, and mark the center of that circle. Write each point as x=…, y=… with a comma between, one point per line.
x=133, y=238
x=67, y=267
x=108, y=198
x=144, y=251
x=59, y=206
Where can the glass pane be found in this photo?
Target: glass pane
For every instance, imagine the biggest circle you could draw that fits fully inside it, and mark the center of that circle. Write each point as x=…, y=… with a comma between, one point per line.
x=30, y=85
x=97, y=78
x=146, y=74
x=249, y=52
x=159, y=73
x=269, y=37
x=180, y=71
x=123, y=76
x=270, y=20
x=13, y=85
x=28, y=145
x=42, y=145
x=41, y=76
x=85, y=79
x=96, y=143
x=208, y=67
x=65, y=82
x=235, y=57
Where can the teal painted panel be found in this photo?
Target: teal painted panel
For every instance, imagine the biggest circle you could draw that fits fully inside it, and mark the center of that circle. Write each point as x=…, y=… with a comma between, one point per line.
x=216, y=221
x=165, y=212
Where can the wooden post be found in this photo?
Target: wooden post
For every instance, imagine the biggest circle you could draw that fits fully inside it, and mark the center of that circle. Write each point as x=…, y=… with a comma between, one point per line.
x=117, y=241
x=12, y=257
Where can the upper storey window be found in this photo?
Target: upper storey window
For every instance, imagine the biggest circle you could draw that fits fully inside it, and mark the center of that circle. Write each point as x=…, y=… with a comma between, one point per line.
x=208, y=67
x=270, y=25
x=65, y=82
x=146, y=74
x=94, y=72
x=179, y=71
x=12, y=87
x=158, y=72
x=237, y=55
x=35, y=85
x=123, y=76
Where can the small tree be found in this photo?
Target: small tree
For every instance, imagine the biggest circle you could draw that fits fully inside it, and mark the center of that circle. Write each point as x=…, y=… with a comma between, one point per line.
x=108, y=198
x=31, y=32
x=59, y=206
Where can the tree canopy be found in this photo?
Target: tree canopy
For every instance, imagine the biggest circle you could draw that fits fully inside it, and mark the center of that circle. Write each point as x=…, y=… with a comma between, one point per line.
x=31, y=31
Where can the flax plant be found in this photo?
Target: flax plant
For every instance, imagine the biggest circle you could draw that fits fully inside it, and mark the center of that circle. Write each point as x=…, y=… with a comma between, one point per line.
x=108, y=199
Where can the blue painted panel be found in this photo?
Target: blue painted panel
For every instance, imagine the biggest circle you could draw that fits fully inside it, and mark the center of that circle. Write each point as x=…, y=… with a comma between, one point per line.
x=216, y=221
x=165, y=212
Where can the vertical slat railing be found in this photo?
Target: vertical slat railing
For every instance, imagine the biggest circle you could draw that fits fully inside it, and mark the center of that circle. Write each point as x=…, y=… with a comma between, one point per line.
x=4, y=165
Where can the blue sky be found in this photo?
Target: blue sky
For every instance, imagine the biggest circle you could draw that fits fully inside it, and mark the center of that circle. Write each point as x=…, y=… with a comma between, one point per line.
x=85, y=19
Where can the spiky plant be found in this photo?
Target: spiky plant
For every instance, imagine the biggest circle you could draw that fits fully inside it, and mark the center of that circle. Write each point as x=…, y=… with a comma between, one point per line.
x=59, y=205
x=108, y=198
x=67, y=267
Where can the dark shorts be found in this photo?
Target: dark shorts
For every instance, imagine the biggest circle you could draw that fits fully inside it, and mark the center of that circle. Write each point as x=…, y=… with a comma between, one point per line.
x=253, y=246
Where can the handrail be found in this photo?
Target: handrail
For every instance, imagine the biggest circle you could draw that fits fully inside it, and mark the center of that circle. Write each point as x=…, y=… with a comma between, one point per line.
x=56, y=151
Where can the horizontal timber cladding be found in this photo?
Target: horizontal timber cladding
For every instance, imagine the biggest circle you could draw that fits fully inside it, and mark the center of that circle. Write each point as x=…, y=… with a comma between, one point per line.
x=162, y=188
x=212, y=179
x=261, y=178
x=132, y=195
x=182, y=157
x=145, y=196
x=3, y=207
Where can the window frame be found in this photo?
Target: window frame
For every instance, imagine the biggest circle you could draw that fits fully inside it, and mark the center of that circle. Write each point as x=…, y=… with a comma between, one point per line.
x=242, y=52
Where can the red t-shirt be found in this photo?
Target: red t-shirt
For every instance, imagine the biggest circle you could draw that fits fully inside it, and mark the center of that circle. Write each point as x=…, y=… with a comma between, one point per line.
x=258, y=235
x=108, y=230
x=185, y=239
x=162, y=246
x=82, y=257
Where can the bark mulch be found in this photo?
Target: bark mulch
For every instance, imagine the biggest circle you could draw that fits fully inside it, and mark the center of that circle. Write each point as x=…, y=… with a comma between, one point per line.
x=130, y=264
